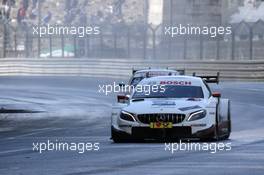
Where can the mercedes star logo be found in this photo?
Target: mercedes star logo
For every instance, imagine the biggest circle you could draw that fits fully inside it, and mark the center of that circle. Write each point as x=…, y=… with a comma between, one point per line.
x=161, y=118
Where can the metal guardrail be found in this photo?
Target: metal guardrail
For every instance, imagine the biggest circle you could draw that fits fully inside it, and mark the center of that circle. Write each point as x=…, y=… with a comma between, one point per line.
x=121, y=68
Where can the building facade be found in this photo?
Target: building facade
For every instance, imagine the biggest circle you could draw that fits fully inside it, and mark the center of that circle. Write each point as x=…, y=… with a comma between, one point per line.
x=199, y=12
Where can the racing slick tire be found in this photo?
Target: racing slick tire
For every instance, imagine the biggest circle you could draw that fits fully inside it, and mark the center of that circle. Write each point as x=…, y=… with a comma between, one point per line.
x=215, y=135
x=229, y=122
x=223, y=112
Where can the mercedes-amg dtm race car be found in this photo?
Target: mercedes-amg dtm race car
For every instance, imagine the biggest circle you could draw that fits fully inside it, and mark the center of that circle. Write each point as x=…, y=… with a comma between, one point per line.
x=180, y=107
x=140, y=74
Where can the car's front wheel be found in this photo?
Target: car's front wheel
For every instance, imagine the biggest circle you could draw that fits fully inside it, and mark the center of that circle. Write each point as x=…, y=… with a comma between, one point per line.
x=119, y=137
x=229, y=123
x=226, y=114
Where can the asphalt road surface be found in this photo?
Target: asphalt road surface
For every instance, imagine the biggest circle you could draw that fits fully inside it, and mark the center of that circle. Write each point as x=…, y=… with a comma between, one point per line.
x=70, y=109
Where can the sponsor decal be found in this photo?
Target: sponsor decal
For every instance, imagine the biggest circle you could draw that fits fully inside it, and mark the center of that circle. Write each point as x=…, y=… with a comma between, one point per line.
x=199, y=125
x=163, y=103
x=154, y=74
x=190, y=108
x=182, y=83
x=159, y=125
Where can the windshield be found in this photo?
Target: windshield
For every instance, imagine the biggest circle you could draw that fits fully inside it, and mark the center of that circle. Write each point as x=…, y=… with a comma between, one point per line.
x=172, y=91
x=136, y=80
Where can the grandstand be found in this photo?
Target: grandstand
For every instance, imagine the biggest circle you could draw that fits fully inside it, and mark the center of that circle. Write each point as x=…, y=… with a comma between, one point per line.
x=70, y=12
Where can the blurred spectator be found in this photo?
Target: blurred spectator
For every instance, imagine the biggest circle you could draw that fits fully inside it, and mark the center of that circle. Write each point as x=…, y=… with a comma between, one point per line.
x=4, y=2
x=83, y=18
x=85, y=3
x=5, y=10
x=71, y=4
x=25, y=4
x=68, y=5
x=9, y=2
x=69, y=17
x=118, y=4
x=21, y=14
x=34, y=4
x=74, y=4
x=34, y=13
x=47, y=18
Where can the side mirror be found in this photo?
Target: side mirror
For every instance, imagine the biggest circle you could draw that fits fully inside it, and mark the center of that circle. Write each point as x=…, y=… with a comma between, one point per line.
x=216, y=94
x=123, y=98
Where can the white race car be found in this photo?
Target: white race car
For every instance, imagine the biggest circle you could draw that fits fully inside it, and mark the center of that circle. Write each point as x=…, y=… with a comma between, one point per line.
x=139, y=75
x=177, y=107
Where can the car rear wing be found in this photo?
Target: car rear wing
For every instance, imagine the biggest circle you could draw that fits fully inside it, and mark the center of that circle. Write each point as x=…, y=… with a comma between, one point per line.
x=135, y=70
x=209, y=78
x=181, y=71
